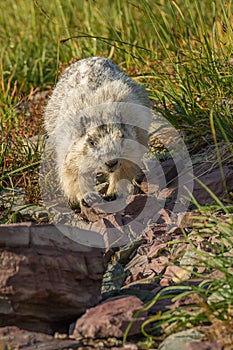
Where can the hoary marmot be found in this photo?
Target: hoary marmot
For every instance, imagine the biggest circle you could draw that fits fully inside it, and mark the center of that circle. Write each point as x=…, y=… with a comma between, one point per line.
x=95, y=120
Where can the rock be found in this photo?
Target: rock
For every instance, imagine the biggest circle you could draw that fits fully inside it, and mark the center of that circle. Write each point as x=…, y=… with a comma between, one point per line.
x=110, y=318
x=169, y=275
x=15, y=235
x=224, y=291
x=9, y=198
x=213, y=180
x=127, y=251
x=46, y=279
x=176, y=274
x=180, y=340
x=113, y=279
x=15, y=202
x=205, y=345
x=143, y=207
x=140, y=290
x=13, y=337
x=127, y=347
x=156, y=266
x=31, y=212
x=137, y=268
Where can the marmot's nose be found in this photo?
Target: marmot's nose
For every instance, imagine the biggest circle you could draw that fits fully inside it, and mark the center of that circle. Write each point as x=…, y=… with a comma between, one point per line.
x=111, y=164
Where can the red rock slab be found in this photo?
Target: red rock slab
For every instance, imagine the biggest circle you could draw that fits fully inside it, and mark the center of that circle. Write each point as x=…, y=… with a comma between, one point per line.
x=110, y=318
x=213, y=180
x=16, y=338
x=44, y=287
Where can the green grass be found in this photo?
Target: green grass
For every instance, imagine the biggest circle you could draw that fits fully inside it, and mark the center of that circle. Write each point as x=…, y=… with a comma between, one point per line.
x=180, y=50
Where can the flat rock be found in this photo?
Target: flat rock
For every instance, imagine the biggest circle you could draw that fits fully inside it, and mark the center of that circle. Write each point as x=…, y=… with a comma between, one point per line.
x=110, y=318
x=213, y=180
x=27, y=234
x=14, y=337
x=205, y=345
x=46, y=281
x=180, y=340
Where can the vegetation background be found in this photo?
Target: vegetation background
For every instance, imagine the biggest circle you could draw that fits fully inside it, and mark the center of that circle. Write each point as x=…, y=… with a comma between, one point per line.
x=180, y=50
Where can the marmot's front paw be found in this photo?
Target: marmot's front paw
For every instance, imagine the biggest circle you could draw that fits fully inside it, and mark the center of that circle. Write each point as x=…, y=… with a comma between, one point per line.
x=110, y=197
x=74, y=206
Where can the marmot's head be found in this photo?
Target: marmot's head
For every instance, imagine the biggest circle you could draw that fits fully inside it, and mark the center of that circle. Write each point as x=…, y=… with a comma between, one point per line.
x=106, y=148
x=106, y=143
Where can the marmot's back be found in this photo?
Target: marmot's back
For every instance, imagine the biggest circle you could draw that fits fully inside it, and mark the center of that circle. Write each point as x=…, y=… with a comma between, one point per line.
x=90, y=82
x=93, y=72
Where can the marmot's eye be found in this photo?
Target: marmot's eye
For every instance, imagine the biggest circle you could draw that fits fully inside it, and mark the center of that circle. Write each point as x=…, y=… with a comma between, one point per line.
x=90, y=142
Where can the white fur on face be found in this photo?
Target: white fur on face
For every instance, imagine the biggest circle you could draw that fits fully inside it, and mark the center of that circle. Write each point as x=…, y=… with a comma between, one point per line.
x=101, y=145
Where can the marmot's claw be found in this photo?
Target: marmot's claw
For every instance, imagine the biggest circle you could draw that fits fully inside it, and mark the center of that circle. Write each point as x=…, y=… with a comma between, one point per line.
x=75, y=206
x=111, y=197
x=84, y=203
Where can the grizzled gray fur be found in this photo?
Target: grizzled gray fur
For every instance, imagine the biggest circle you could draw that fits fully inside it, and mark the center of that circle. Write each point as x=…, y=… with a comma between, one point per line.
x=88, y=122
